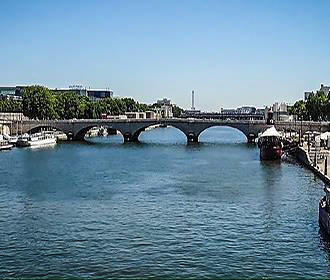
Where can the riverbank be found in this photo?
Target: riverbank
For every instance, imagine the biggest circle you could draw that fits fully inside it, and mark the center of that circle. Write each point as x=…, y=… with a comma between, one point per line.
x=316, y=161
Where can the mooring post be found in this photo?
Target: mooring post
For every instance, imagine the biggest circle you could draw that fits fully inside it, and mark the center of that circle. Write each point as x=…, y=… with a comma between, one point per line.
x=326, y=165
x=315, y=160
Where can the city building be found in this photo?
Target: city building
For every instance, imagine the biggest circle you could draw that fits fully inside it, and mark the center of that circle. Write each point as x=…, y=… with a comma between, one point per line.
x=241, y=113
x=7, y=91
x=111, y=117
x=280, y=112
x=15, y=92
x=165, y=111
x=323, y=88
x=245, y=110
x=164, y=101
x=79, y=90
x=228, y=111
x=280, y=107
x=260, y=111
x=11, y=92
x=307, y=94
x=192, y=112
x=151, y=115
x=93, y=94
x=132, y=115
x=135, y=115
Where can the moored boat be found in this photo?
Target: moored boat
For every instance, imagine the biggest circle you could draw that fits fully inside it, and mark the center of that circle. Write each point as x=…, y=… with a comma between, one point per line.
x=4, y=144
x=102, y=131
x=11, y=139
x=23, y=140
x=44, y=138
x=324, y=210
x=270, y=144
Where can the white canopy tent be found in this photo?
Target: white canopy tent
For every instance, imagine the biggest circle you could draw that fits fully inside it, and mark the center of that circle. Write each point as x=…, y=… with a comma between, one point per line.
x=270, y=132
x=324, y=136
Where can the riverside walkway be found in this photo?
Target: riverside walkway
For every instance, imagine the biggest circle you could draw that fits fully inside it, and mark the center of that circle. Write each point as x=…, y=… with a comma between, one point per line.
x=192, y=128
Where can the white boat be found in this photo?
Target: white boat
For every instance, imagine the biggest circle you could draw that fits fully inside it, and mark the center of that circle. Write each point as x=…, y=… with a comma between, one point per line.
x=10, y=139
x=44, y=138
x=4, y=144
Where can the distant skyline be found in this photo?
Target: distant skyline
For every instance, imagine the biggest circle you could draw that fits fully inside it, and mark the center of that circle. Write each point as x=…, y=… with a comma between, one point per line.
x=231, y=53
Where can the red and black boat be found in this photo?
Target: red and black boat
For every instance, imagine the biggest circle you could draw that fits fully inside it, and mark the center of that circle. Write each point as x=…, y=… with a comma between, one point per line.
x=270, y=144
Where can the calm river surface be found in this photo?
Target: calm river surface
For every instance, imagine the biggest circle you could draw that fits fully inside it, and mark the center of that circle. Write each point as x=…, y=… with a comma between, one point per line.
x=158, y=208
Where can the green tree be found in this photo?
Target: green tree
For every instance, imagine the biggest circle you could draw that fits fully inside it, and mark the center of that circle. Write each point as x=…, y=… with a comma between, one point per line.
x=11, y=106
x=177, y=111
x=298, y=109
x=143, y=107
x=69, y=105
x=316, y=106
x=38, y=103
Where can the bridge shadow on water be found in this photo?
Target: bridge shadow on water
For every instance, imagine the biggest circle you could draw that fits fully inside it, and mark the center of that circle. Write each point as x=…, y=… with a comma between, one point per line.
x=104, y=142
x=217, y=144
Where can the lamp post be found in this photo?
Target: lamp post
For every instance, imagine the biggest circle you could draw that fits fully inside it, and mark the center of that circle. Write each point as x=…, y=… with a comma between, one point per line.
x=295, y=125
x=300, y=131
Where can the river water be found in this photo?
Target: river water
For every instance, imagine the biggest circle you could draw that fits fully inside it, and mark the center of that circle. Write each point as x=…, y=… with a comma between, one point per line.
x=158, y=208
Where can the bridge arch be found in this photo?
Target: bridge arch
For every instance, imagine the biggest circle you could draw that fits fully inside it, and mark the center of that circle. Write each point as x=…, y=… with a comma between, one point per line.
x=225, y=133
x=140, y=131
x=250, y=135
x=82, y=131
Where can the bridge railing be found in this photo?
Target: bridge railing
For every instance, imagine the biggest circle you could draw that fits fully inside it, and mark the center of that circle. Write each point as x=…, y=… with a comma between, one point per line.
x=161, y=120
x=182, y=120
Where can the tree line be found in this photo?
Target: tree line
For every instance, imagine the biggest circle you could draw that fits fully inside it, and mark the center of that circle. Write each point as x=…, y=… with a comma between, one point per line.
x=40, y=103
x=11, y=106
x=315, y=108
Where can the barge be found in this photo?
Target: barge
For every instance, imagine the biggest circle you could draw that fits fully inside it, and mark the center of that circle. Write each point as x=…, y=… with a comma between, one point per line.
x=270, y=144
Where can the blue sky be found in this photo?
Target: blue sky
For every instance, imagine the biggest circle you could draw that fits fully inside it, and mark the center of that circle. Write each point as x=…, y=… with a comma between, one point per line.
x=231, y=53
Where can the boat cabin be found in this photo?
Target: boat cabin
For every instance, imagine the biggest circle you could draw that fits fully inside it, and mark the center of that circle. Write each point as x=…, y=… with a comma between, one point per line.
x=270, y=137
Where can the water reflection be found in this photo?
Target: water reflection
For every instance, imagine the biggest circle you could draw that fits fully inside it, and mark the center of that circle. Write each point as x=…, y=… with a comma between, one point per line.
x=324, y=241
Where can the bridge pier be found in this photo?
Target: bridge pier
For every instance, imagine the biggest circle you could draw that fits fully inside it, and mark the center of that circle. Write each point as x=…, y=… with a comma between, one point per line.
x=70, y=136
x=129, y=138
x=192, y=138
x=251, y=138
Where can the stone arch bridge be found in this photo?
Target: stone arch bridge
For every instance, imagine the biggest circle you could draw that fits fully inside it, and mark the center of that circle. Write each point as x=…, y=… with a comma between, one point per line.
x=192, y=128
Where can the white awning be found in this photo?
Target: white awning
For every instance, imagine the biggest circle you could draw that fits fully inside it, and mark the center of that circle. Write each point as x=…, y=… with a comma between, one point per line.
x=325, y=135
x=270, y=132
